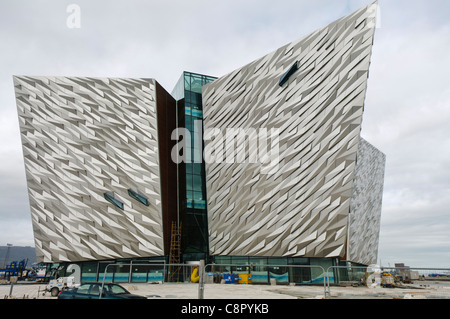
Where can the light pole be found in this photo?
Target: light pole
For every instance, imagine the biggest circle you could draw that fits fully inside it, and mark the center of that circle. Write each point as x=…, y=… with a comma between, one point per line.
x=7, y=254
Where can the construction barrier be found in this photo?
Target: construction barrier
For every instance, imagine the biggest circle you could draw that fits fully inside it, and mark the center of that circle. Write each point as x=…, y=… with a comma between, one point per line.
x=199, y=273
x=247, y=274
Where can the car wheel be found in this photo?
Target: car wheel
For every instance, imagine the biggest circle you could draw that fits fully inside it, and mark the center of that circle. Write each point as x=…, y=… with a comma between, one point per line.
x=54, y=292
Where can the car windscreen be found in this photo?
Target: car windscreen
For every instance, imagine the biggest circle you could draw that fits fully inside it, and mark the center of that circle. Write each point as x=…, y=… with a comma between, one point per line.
x=116, y=290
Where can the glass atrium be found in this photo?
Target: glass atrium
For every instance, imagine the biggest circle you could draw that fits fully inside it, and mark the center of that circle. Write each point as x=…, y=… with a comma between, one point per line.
x=192, y=183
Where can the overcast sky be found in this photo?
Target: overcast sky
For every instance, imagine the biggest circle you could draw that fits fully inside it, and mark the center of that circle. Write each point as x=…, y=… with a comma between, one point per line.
x=407, y=110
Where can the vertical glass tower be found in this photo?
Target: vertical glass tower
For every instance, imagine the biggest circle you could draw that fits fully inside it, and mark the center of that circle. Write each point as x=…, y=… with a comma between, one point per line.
x=191, y=176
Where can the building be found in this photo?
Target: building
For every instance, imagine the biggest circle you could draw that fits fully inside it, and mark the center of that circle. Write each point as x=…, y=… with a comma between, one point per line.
x=99, y=178
x=271, y=169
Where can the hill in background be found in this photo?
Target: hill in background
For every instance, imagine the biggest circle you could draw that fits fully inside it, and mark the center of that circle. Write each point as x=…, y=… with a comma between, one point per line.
x=17, y=253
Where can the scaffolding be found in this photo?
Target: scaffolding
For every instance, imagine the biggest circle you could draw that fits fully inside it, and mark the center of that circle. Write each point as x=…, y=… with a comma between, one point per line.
x=175, y=253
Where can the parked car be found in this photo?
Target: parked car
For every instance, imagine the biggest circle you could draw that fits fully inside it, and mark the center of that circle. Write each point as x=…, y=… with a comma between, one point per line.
x=92, y=291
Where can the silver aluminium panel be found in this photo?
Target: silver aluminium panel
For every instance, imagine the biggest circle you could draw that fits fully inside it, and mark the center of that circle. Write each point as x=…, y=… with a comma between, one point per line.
x=300, y=205
x=83, y=137
x=366, y=204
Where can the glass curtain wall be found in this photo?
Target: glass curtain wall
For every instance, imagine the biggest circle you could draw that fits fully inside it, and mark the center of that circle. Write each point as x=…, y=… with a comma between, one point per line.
x=283, y=270
x=149, y=269
x=193, y=214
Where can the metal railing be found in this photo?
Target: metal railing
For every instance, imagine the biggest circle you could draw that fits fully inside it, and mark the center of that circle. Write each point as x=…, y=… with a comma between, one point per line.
x=164, y=265
x=247, y=266
x=203, y=271
x=343, y=274
x=335, y=268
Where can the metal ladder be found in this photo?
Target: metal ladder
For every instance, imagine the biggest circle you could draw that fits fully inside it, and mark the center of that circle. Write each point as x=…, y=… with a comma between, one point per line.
x=175, y=253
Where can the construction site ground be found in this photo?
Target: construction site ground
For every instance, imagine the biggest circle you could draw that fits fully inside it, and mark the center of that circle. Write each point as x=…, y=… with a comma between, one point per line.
x=417, y=290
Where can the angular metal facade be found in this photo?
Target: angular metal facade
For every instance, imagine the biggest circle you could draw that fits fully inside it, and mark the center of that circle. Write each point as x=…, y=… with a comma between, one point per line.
x=302, y=207
x=82, y=138
x=365, y=205
x=102, y=185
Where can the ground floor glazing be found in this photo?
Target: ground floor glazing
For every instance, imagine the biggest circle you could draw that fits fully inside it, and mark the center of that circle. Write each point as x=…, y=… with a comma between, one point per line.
x=262, y=270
